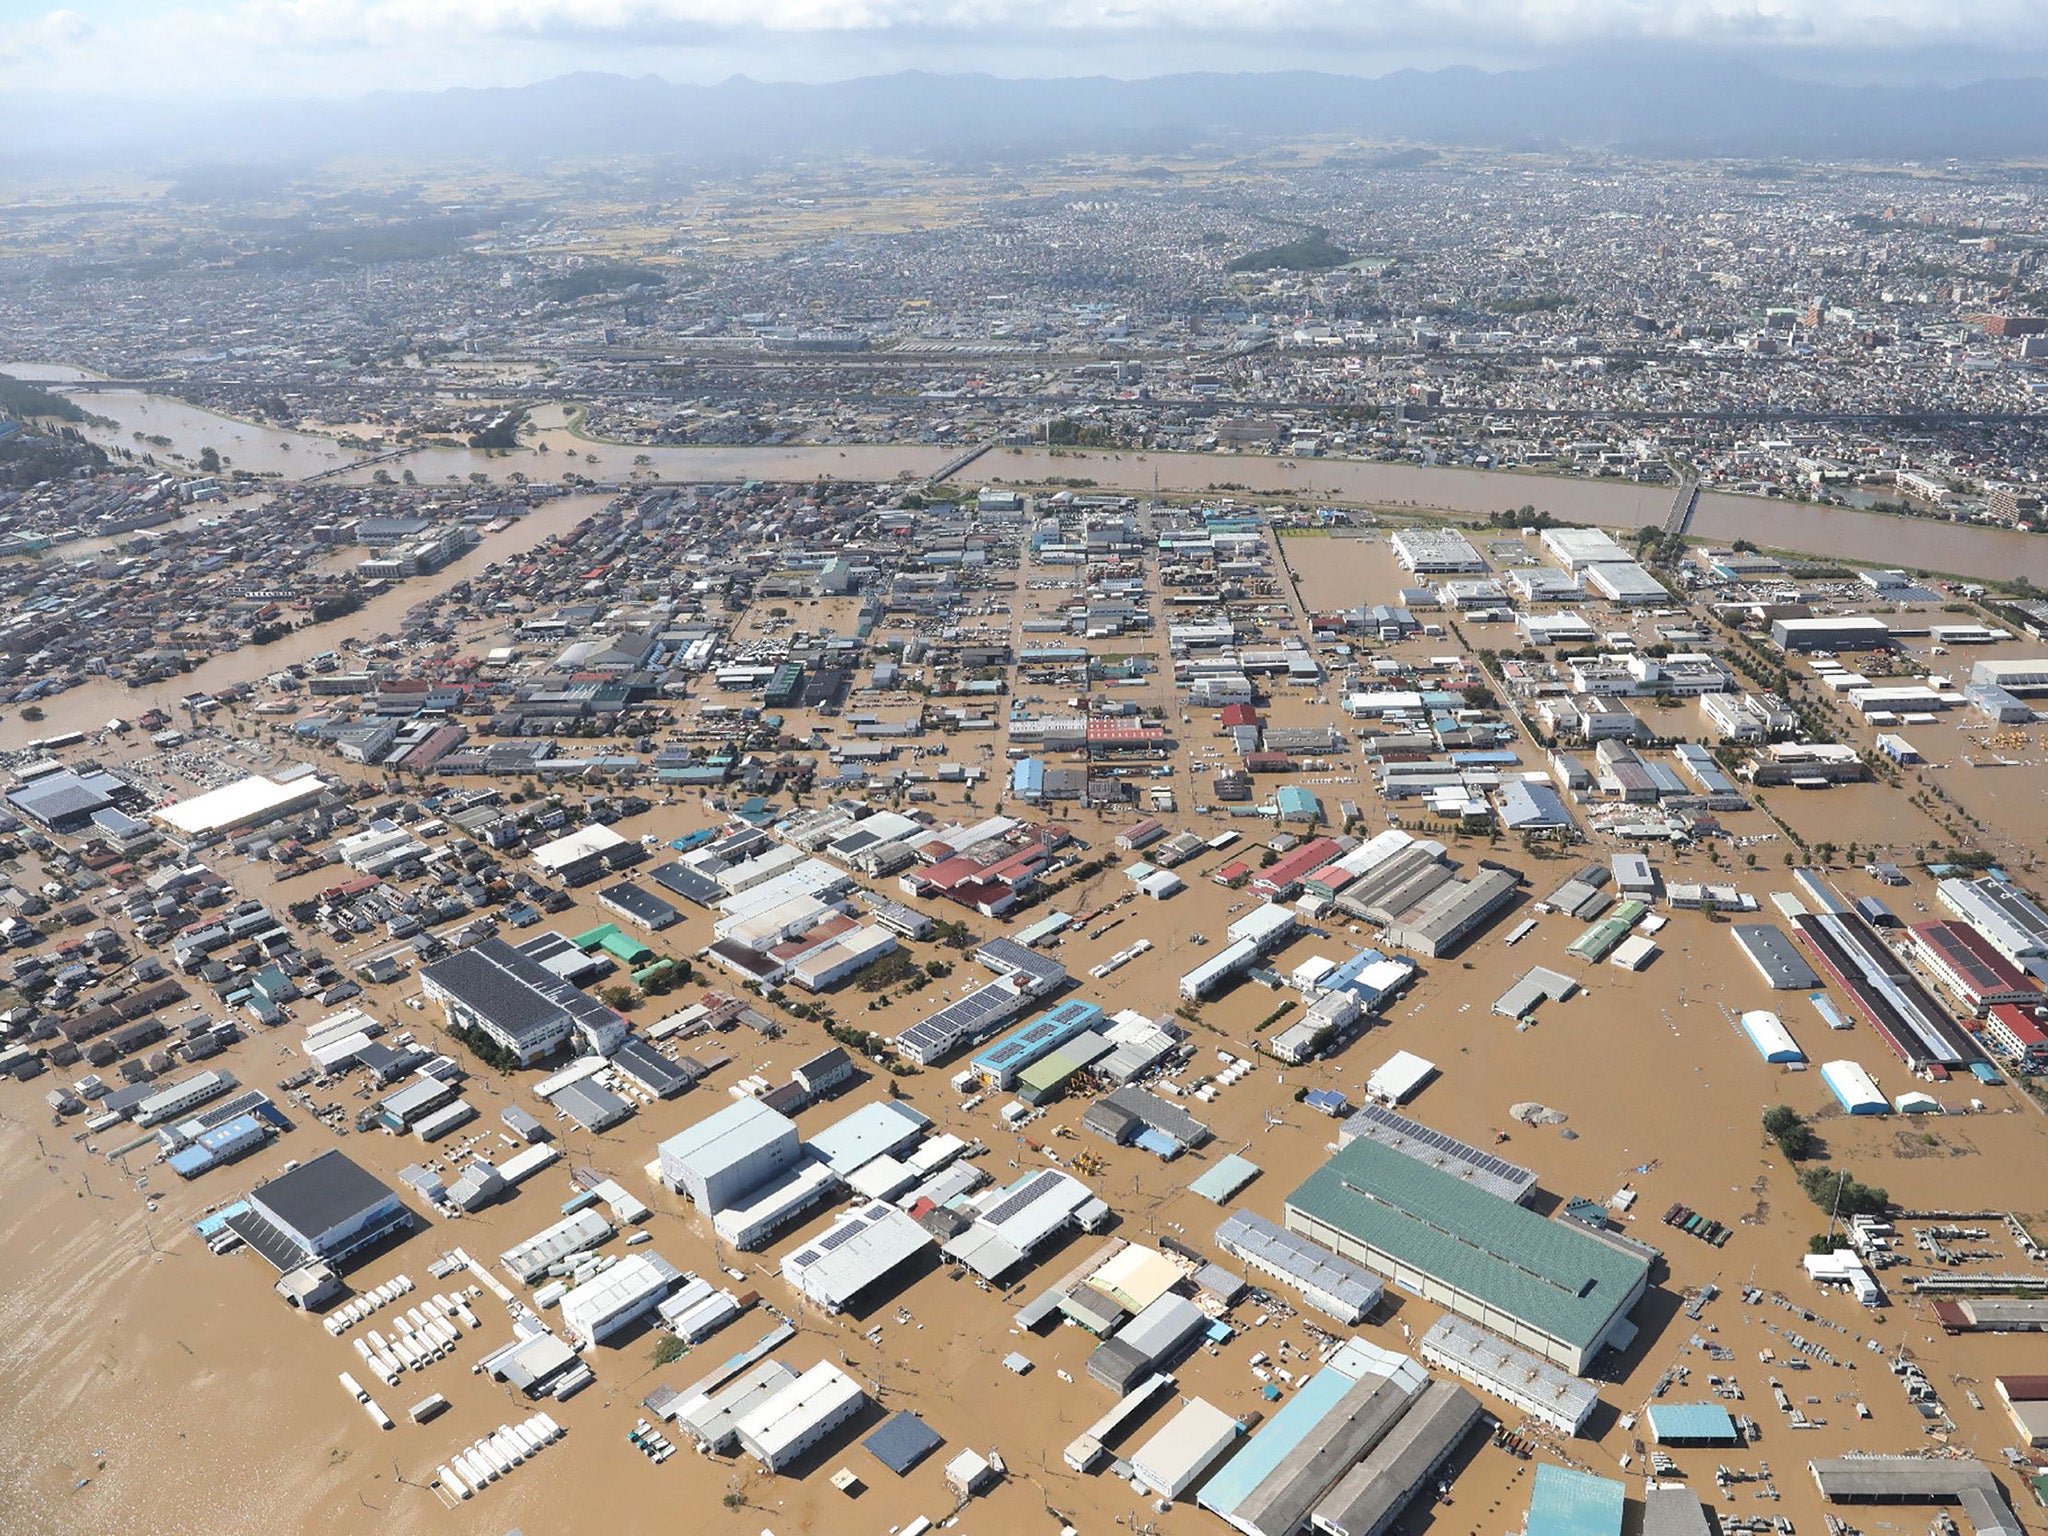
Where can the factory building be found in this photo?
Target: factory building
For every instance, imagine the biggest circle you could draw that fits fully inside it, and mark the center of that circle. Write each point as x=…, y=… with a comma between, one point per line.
x=518, y=1003
x=720, y=1160
x=798, y=1416
x=1554, y=1289
x=323, y=1212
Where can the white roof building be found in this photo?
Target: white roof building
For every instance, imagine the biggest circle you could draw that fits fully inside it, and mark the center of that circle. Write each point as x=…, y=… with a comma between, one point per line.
x=244, y=803
x=856, y=1251
x=619, y=1297
x=799, y=1415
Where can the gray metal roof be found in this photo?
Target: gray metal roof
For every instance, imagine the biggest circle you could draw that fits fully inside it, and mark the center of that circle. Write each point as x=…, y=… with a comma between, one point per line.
x=1279, y=1505
x=1773, y=954
x=1379, y=1487
x=321, y=1193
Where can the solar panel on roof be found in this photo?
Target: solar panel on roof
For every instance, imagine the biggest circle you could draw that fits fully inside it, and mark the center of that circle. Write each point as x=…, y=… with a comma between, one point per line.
x=1020, y=1198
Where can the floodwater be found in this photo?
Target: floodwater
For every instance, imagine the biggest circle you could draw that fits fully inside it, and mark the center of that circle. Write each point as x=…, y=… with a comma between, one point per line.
x=157, y=1389
x=1841, y=533
x=138, y=416
x=92, y=704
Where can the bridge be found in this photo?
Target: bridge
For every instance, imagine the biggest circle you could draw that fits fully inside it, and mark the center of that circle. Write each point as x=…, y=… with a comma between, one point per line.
x=960, y=461
x=1683, y=505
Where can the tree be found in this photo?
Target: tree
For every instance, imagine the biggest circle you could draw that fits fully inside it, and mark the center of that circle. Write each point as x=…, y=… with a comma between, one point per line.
x=1838, y=1191
x=33, y=713
x=209, y=460
x=1789, y=1130
x=618, y=999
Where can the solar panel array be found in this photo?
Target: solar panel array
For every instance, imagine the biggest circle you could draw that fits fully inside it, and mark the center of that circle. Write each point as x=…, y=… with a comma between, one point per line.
x=1021, y=1197
x=1383, y=1124
x=961, y=1020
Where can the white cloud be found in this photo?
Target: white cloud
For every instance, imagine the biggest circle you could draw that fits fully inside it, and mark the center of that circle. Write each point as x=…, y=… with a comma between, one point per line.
x=349, y=45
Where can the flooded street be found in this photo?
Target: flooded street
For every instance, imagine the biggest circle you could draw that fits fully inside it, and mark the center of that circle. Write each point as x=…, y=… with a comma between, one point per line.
x=91, y=705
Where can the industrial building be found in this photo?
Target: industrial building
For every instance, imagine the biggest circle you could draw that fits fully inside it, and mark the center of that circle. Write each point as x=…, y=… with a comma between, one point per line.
x=324, y=1211
x=1919, y=1480
x=623, y=1295
x=1970, y=967
x=1515, y=1376
x=721, y=1159
x=1846, y=633
x=1550, y=1286
x=860, y=1249
x=2013, y=924
x=798, y=1416
x=1372, y=1495
x=1496, y=1175
x=1331, y=1284
x=519, y=1003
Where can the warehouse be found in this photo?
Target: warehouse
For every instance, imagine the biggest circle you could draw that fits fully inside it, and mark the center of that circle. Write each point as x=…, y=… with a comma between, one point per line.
x=1548, y=1286
x=721, y=1159
x=1280, y=1503
x=712, y=1418
x=1332, y=1285
x=639, y=906
x=859, y=1250
x=650, y=1071
x=762, y=1211
x=880, y=1129
x=1568, y=1503
x=1845, y=633
x=1399, y=1078
x=325, y=1210
x=1372, y=1495
x=799, y=1416
x=528, y=1261
x=1773, y=1041
x=1853, y=1088
x=1780, y=965
x=1192, y=1442
x=1518, y=1378
x=518, y=1003
x=1154, y=1340
x=245, y=803
x=1453, y=913
x=592, y=1107
x=623, y=1295
x=1412, y=1138
x=1132, y=1115
x=1013, y=1222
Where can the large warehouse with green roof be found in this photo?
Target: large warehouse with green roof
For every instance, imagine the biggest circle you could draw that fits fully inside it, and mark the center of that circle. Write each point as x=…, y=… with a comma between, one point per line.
x=1550, y=1286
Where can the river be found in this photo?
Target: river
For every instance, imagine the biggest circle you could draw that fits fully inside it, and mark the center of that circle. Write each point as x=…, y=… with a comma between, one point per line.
x=1829, y=532
x=92, y=704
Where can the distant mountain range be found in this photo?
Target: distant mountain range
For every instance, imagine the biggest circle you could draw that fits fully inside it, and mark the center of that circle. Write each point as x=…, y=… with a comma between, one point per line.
x=1655, y=105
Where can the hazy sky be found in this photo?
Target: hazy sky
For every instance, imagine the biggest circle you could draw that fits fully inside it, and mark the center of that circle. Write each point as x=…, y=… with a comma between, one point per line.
x=239, y=48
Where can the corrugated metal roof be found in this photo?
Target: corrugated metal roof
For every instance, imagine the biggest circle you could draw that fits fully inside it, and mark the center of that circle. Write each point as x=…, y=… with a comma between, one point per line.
x=1562, y=1280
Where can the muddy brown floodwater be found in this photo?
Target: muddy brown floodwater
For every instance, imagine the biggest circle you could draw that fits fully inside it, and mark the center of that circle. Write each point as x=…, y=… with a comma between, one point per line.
x=1835, y=532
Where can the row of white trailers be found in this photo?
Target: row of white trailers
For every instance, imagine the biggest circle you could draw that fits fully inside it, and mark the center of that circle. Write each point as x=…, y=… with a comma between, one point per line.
x=475, y=1467
x=419, y=1338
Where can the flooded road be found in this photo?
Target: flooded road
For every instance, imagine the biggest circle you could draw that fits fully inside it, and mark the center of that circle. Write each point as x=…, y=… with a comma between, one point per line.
x=90, y=706
x=1832, y=532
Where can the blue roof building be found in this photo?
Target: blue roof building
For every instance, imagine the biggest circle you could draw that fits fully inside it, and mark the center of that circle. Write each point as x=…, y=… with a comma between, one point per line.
x=1567, y=1503
x=1002, y=1062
